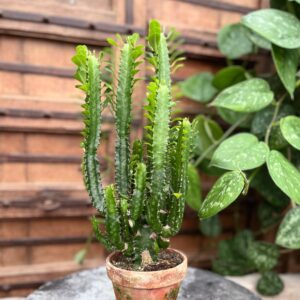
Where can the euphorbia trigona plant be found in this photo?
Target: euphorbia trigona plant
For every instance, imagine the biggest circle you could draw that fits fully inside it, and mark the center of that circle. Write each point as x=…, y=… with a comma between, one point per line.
x=145, y=205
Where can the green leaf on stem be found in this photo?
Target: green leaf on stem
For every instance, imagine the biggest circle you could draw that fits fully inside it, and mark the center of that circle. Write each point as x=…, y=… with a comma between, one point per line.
x=233, y=41
x=206, y=132
x=278, y=27
x=288, y=235
x=242, y=151
x=199, y=87
x=225, y=191
x=247, y=96
x=193, y=197
x=263, y=255
x=270, y=284
x=290, y=128
x=284, y=174
x=231, y=117
x=211, y=227
x=286, y=63
x=229, y=76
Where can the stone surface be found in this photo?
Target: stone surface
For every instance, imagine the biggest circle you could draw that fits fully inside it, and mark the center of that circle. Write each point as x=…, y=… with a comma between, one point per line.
x=94, y=285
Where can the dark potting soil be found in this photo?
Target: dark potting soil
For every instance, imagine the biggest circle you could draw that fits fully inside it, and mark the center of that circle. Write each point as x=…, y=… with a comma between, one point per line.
x=166, y=259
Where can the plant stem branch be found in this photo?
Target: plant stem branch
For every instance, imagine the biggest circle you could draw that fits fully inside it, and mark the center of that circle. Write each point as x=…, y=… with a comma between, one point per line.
x=216, y=143
x=276, y=111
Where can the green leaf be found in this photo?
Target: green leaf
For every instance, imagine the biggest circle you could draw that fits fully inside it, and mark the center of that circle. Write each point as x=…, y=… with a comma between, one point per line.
x=288, y=235
x=290, y=128
x=199, y=87
x=232, y=257
x=269, y=284
x=233, y=41
x=206, y=132
x=286, y=62
x=284, y=174
x=259, y=41
x=266, y=187
x=247, y=96
x=268, y=214
x=80, y=256
x=112, y=42
x=263, y=255
x=279, y=27
x=241, y=242
x=193, y=197
x=154, y=34
x=231, y=117
x=226, y=190
x=263, y=118
x=242, y=151
x=229, y=76
x=211, y=227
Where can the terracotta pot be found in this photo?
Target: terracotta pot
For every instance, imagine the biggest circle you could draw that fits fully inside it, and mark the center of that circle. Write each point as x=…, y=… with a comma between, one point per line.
x=153, y=285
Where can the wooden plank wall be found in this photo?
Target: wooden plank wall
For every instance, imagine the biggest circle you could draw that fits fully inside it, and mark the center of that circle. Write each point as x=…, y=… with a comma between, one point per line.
x=44, y=209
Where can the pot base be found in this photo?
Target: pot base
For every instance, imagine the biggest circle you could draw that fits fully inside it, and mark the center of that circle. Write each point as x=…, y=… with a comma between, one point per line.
x=147, y=285
x=165, y=293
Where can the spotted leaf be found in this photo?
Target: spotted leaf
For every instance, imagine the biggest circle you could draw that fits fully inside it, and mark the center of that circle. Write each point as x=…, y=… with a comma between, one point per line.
x=242, y=151
x=226, y=190
x=284, y=174
x=247, y=96
x=290, y=128
x=288, y=235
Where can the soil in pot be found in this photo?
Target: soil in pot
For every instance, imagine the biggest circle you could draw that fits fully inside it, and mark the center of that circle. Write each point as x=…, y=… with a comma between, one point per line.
x=166, y=259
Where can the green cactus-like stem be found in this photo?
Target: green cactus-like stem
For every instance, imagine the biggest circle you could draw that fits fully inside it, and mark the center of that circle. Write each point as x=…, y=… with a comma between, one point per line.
x=126, y=80
x=138, y=197
x=136, y=158
x=88, y=73
x=159, y=153
x=179, y=182
x=163, y=72
x=101, y=236
x=112, y=218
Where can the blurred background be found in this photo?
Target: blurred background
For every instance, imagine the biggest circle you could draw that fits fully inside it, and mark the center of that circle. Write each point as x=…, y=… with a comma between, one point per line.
x=44, y=209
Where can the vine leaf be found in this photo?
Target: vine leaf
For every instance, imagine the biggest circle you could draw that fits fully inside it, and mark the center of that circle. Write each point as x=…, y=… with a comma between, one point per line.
x=226, y=190
x=231, y=117
x=233, y=41
x=211, y=227
x=199, y=87
x=288, y=234
x=290, y=128
x=265, y=186
x=263, y=118
x=206, y=132
x=270, y=284
x=247, y=96
x=263, y=255
x=242, y=151
x=279, y=27
x=193, y=197
x=229, y=76
x=286, y=62
x=285, y=175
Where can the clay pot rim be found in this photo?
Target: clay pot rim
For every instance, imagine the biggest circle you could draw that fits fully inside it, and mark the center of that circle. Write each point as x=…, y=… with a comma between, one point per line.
x=147, y=279
x=184, y=261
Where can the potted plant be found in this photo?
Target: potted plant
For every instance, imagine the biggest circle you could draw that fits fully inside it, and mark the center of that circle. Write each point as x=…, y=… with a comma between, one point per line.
x=145, y=206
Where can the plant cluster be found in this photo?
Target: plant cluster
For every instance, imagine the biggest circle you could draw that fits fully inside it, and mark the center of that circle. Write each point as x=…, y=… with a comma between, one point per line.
x=261, y=148
x=145, y=206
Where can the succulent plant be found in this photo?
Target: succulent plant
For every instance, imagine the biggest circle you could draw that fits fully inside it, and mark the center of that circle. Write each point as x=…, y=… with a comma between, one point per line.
x=145, y=206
